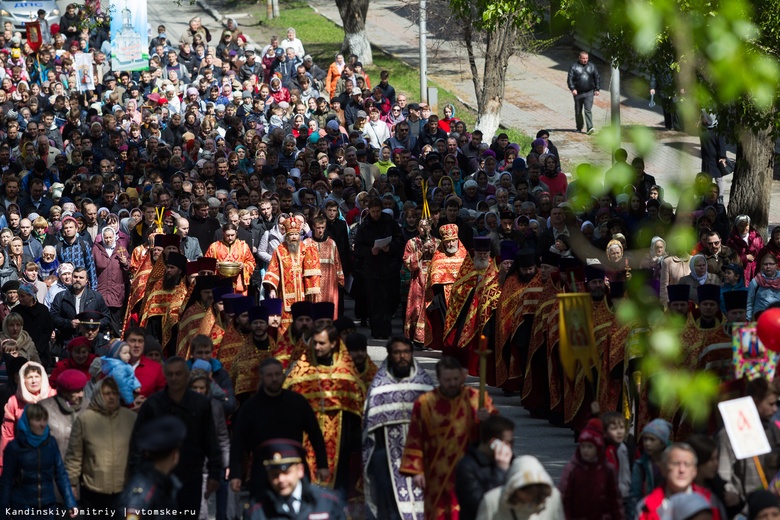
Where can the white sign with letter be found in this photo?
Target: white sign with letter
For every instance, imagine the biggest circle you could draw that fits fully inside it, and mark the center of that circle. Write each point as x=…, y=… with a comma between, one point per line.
x=744, y=428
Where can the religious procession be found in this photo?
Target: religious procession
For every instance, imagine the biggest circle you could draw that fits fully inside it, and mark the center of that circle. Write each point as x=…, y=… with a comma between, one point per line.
x=200, y=252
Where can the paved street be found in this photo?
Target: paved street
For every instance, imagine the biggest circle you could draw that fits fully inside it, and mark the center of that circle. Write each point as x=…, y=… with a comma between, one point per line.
x=553, y=446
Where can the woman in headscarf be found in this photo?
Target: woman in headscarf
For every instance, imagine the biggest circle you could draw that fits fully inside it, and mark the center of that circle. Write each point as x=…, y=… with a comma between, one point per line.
x=449, y=118
x=698, y=276
x=13, y=331
x=746, y=242
x=34, y=467
x=655, y=260
x=764, y=289
x=99, y=447
x=33, y=388
x=112, y=262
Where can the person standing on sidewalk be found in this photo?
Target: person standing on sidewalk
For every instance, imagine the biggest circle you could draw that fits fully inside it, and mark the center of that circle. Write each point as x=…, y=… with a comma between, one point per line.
x=584, y=83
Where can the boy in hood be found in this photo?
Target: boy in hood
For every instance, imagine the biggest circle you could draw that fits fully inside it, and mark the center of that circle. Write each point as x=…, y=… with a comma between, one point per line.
x=528, y=494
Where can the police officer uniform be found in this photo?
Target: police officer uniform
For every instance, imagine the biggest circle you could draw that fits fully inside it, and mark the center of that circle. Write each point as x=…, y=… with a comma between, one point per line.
x=149, y=489
x=305, y=502
x=90, y=320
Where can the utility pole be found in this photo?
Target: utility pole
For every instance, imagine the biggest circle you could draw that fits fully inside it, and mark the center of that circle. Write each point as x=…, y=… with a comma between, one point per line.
x=423, y=52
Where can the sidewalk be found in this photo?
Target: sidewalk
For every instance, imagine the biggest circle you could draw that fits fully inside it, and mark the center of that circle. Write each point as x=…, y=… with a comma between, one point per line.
x=536, y=95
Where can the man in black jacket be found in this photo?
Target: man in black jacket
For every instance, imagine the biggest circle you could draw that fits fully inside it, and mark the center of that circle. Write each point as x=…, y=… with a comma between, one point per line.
x=584, y=82
x=272, y=413
x=485, y=465
x=381, y=266
x=288, y=494
x=200, y=443
x=202, y=226
x=78, y=298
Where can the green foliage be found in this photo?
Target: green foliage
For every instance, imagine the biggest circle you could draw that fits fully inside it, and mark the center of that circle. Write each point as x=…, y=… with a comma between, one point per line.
x=487, y=15
x=724, y=54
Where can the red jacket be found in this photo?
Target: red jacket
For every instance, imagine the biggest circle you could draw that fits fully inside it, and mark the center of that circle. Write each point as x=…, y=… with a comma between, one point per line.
x=150, y=374
x=68, y=363
x=589, y=490
x=648, y=508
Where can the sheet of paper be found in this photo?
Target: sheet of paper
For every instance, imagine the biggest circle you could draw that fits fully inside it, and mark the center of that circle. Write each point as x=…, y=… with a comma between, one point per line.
x=382, y=242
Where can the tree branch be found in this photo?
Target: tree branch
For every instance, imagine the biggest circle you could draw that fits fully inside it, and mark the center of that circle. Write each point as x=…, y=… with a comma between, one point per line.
x=468, y=40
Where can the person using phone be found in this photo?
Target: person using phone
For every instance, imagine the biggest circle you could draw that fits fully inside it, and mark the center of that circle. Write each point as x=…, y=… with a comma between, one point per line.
x=485, y=465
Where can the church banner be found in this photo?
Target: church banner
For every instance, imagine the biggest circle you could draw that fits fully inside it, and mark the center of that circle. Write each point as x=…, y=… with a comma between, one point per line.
x=577, y=339
x=129, y=36
x=85, y=74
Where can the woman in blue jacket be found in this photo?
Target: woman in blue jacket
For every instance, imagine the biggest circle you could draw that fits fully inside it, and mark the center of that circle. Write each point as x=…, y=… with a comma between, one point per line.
x=32, y=467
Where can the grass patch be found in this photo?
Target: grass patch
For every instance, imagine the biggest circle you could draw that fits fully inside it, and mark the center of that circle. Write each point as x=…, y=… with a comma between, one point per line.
x=322, y=39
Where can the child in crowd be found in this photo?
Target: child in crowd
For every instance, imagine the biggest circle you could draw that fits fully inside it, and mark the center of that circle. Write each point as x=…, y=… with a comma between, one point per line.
x=588, y=485
x=617, y=452
x=646, y=475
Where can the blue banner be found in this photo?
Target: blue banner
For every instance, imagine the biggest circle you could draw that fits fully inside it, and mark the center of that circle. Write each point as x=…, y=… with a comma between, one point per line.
x=129, y=36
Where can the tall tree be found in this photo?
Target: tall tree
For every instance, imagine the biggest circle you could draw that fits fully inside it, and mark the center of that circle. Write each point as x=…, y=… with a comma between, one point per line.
x=494, y=31
x=353, y=16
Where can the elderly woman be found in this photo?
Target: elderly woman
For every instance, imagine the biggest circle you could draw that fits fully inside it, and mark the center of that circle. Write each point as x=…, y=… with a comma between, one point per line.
x=746, y=242
x=764, y=289
x=99, y=446
x=698, y=276
x=13, y=330
x=33, y=388
x=112, y=262
x=655, y=260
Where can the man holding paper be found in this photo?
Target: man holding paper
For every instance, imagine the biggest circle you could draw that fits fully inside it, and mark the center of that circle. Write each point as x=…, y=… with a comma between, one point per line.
x=379, y=249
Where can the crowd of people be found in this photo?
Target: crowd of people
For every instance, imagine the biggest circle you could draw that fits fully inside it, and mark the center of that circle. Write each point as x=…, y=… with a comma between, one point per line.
x=179, y=243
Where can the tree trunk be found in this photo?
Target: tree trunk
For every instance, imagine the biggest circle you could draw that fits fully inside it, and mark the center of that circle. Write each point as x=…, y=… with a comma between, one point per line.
x=500, y=47
x=751, y=188
x=353, y=16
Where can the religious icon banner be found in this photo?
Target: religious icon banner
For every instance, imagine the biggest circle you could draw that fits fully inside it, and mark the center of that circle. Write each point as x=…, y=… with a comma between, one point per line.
x=34, y=37
x=577, y=339
x=85, y=74
x=129, y=36
x=751, y=357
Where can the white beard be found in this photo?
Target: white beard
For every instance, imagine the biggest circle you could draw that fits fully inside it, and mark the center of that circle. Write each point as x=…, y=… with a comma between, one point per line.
x=481, y=264
x=451, y=248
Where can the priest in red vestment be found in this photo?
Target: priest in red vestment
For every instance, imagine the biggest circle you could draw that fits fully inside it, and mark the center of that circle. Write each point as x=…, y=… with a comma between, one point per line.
x=294, y=271
x=444, y=422
x=163, y=301
x=418, y=254
x=472, y=307
x=442, y=273
x=231, y=249
x=332, y=274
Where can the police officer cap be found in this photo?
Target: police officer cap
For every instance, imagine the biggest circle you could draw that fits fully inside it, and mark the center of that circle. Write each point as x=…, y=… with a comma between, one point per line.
x=281, y=453
x=162, y=434
x=89, y=318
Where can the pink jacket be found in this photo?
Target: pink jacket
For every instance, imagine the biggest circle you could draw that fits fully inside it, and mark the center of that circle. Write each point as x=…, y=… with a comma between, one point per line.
x=753, y=245
x=15, y=405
